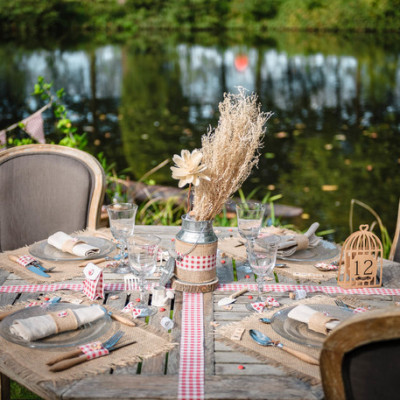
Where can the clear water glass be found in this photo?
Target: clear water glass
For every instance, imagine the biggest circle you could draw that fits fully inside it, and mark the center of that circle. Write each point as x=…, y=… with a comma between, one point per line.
x=143, y=251
x=122, y=225
x=249, y=219
x=262, y=261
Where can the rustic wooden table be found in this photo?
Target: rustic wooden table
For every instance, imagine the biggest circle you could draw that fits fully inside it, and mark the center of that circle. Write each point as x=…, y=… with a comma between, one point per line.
x=157, y=378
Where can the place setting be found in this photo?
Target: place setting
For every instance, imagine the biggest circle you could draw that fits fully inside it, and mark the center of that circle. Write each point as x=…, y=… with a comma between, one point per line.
x=52, y=338
x=291, y=336
x=300, y=256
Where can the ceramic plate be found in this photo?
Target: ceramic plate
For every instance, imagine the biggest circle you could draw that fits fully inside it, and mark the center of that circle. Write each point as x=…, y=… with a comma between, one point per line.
x=85, y=334
x=46, y=251
x=323, y=251
x=298, y=332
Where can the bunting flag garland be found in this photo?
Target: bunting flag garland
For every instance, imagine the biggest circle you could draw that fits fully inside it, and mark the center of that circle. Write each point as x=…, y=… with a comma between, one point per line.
x=32, y=125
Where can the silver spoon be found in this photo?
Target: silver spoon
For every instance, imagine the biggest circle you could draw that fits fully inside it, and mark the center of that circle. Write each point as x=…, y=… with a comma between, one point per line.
x=264, y=340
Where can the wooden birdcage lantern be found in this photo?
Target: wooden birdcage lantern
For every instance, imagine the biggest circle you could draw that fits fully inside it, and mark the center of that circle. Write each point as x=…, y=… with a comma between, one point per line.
x=360, y=263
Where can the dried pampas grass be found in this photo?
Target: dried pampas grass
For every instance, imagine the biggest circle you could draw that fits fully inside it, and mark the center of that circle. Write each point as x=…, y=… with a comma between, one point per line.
x=230, y=152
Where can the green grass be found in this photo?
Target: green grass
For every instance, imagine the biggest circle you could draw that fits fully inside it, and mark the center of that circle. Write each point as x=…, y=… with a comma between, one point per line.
x=19, y=392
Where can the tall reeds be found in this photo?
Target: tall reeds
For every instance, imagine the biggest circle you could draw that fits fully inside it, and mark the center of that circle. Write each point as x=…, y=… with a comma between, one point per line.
x=230, y=152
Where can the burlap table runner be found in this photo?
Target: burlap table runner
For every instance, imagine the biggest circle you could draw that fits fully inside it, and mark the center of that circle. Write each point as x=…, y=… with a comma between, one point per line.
x=64, y=270
x=233, y=247
x=275, y=356
x=31, y=363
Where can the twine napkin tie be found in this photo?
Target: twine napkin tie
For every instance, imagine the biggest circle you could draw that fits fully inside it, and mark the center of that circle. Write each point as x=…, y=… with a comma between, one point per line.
x=34, y=328
x=316, y=321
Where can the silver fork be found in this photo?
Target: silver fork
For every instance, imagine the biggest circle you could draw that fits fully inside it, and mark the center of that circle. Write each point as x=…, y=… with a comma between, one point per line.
x=130, y=281
x=113, y=339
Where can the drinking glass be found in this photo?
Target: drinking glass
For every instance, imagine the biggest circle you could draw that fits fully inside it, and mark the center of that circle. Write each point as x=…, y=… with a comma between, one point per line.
x=249, y=219
x=262, y=261
x=142, y=251
x=122, y=224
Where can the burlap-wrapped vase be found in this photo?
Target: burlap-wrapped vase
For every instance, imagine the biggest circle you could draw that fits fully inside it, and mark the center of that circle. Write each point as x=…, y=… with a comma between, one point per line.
x=196, y=245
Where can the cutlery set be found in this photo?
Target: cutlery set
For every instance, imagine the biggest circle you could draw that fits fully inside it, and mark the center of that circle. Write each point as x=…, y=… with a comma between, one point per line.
x=76, y=357
x=33, y=266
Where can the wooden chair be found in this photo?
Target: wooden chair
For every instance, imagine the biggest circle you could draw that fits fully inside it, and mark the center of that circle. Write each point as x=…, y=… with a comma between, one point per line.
x=395, y=250
x=46, y=188
x=360, y=359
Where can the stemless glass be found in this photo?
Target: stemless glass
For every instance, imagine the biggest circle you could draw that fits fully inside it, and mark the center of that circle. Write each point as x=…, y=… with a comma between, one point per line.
x=142, y=250
x=249, y=219
x=122, y=224
x=262, y=261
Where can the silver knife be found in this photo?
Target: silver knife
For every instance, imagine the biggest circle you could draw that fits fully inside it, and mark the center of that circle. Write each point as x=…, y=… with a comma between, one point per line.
x=40, y=266
x=37, y=271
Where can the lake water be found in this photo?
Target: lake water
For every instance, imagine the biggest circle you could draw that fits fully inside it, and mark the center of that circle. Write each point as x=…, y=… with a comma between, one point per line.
x=334, y=135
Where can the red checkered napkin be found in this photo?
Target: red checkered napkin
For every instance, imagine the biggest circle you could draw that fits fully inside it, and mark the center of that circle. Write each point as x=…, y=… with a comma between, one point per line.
x=269, y=302
x=25, y=260
x=258, y=306
x=94, y=350
x=360, y=310
x=130, y=308
x=326, y=267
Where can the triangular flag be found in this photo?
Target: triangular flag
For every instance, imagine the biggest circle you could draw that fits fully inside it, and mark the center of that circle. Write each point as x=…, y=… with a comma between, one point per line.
x=3, y=137
x=34, y=127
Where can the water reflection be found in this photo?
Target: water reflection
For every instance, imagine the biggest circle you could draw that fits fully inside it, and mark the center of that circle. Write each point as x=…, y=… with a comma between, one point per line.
x=336, y=104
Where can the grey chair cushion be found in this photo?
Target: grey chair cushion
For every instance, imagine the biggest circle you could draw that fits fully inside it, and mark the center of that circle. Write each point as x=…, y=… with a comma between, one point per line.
x=370, y=372
x=41, y=194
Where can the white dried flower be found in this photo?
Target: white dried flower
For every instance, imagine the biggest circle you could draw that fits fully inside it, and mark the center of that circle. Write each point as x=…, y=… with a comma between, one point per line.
x=189, y=168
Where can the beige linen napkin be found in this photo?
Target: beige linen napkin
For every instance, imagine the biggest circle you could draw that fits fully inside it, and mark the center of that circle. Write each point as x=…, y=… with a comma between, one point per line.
x=68, y=244
x=34, y=328
x=316, y=321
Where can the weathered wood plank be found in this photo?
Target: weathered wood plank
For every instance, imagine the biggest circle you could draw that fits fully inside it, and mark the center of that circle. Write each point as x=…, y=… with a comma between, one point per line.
x=173, y=356
x=3, y=276
x=156, y=365
x=270, y=387
x=249, y=369
x=226, y=357
x=225, y=270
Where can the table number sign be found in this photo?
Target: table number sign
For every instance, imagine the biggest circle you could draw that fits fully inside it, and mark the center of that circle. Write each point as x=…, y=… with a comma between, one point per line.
x=93, y=285
x=360, y=263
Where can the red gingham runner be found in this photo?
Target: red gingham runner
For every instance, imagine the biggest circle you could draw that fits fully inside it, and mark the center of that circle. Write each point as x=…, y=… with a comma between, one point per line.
x=94, y=350
x=76, y=287
x=203, y=263
x=224, y=287
x=191, y=363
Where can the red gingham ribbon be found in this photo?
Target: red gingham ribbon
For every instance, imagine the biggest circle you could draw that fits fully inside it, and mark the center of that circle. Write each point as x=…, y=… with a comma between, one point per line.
x=203, y=263
x=94, y=350
x=191, y=365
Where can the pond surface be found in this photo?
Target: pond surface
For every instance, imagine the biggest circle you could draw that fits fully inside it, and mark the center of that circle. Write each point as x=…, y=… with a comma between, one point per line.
x=334, y=134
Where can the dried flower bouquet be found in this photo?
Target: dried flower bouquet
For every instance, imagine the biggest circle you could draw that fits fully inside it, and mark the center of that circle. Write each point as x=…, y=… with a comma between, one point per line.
x=227, y=156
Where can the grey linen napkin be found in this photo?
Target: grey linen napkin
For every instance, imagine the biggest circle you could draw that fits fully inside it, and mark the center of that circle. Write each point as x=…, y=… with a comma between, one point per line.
x=292, y=243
